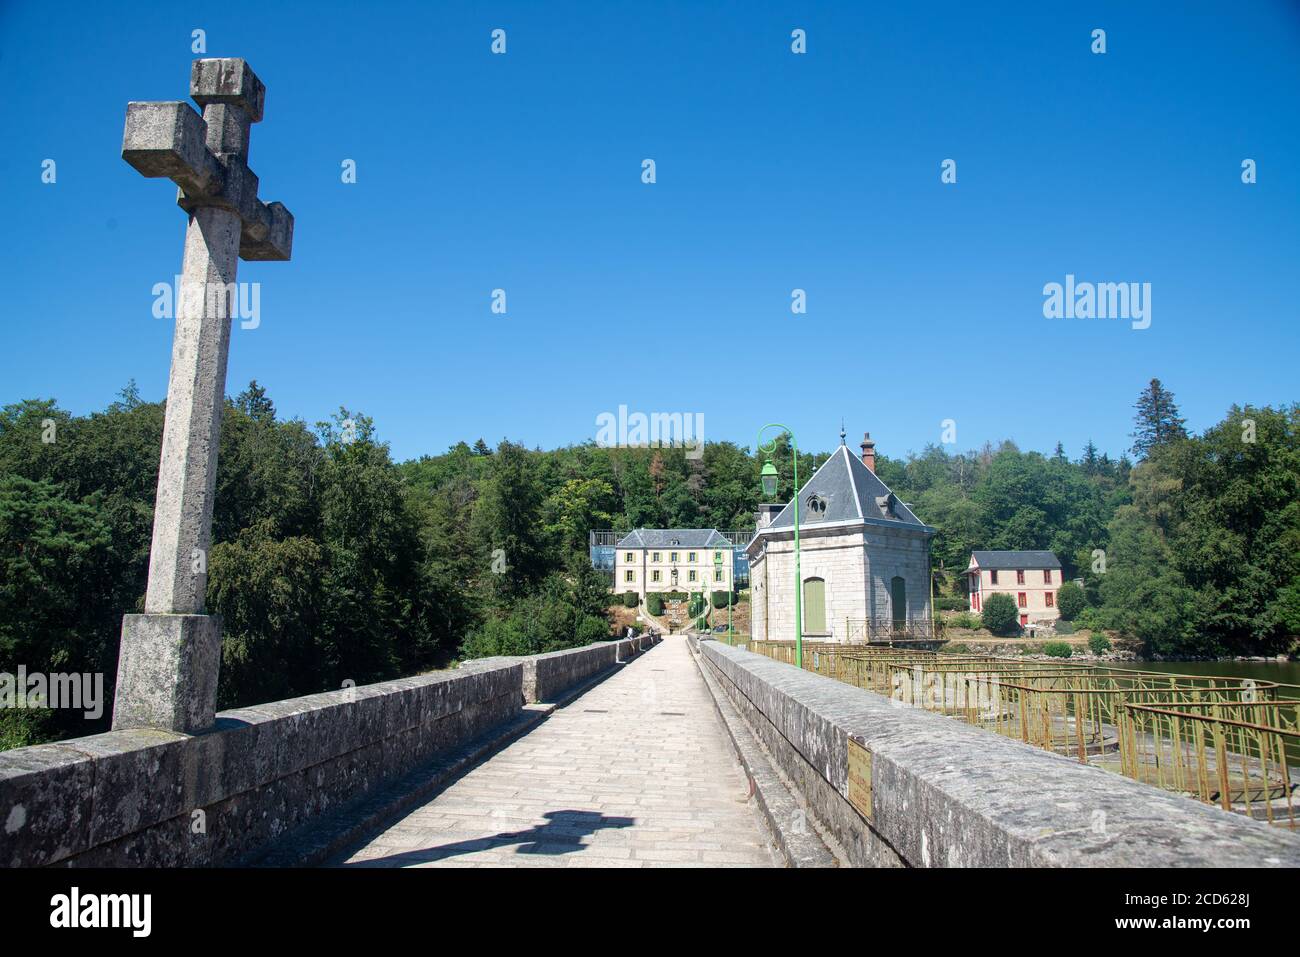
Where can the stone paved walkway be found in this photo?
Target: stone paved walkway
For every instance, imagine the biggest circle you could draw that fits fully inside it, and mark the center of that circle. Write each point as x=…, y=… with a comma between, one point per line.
x=637, y=772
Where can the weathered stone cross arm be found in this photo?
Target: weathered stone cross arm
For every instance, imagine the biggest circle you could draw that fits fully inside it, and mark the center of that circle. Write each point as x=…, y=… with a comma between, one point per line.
x=207, y=156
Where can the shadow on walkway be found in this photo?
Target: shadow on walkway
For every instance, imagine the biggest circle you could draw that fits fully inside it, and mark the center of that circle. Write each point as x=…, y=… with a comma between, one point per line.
x=561, y=835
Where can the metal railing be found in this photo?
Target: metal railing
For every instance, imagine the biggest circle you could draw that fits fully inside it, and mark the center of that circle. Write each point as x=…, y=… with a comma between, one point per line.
x=887, y=632
x=612, y=536
x=1225, y=741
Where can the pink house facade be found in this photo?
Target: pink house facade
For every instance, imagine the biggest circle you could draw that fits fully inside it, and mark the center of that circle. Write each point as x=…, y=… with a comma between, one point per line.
x=1031, y=578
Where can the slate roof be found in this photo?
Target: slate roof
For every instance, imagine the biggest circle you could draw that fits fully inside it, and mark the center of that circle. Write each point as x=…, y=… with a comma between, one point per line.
x=850, y=491
x=1015, y=559
x=674, y=538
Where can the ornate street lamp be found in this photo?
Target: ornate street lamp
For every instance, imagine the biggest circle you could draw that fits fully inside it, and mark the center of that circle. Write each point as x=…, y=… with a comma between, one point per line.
x=769, y=479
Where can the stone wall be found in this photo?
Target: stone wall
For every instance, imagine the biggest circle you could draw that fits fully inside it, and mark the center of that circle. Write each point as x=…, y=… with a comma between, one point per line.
x=838, y=559
x=547, y=677
x=159, y=798
x=891, y=551
x=857, y=567
x=946, y=794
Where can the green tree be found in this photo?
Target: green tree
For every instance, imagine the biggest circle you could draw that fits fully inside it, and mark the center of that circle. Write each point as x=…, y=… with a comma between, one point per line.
x=270, y=594
x=1157, y=423
x=575, y=509
x=55, y=576
x=255, y=403
x=1070, y=600
x=508, y=522
x=1000, y=614
x=377, y=596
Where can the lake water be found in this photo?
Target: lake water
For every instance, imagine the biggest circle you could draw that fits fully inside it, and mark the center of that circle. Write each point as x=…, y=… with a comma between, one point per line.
x=1283, y=672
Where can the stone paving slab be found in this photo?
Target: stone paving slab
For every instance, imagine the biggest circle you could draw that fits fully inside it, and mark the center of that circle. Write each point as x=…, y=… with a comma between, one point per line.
x=636, y=772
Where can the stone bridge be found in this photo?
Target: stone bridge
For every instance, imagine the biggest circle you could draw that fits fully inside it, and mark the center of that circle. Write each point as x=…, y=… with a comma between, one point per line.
x=623, y=752
x=631, y=753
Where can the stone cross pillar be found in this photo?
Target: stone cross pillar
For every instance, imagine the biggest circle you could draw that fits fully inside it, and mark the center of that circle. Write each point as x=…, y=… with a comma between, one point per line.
x=171, y=655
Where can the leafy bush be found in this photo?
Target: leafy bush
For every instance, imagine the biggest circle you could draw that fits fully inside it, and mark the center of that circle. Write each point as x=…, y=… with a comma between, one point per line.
x=1070, y=600
x=1065, y=628
x=496, y=636
x=965, y=620
x=952, y=602
x=654, y=603
x=1098, y=643
x=1057, y=649
x=554, y=618
x=591, y=630
x=1093, y=619
x=720, y=599
x=1000, y=614
x=20, y=727
x=630, y=599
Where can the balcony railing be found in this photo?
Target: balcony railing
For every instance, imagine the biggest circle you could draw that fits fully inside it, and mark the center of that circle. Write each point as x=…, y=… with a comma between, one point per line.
x=883, y=631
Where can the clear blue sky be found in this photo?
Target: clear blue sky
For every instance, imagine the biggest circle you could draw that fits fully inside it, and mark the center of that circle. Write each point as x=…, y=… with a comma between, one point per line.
x=775, y=171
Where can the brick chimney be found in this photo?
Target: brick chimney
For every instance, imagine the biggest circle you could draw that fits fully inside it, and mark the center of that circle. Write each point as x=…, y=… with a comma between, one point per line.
x=868, y=452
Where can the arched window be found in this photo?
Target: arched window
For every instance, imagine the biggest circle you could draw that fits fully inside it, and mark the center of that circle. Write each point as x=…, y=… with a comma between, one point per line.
x=814, y=606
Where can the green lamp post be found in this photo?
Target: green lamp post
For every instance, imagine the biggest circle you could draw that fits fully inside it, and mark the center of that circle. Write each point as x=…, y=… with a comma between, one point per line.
x=769, y=479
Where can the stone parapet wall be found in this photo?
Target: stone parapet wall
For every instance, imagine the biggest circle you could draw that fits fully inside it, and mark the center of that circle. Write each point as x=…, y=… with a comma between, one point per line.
x=548, y=676
x=946, y=794
x=160, y=798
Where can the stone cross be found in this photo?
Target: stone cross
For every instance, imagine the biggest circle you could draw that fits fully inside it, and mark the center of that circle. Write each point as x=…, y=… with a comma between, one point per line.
x=170, y=655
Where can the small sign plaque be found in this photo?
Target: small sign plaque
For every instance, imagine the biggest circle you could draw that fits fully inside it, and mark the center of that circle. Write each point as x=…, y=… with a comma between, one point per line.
x=860, y=778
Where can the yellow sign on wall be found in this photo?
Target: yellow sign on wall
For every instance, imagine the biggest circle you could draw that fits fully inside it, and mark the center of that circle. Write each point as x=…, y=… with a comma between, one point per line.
x=860, y=778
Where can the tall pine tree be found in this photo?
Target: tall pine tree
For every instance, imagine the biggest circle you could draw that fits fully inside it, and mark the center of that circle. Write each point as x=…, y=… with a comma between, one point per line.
x=1158, y=422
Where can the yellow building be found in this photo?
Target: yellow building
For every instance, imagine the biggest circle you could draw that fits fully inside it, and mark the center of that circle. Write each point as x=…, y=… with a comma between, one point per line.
x=673, y=559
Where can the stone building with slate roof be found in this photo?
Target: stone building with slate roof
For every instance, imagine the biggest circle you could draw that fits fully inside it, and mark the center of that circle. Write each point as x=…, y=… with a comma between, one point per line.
x=1031, y=578
x=673, y=559
x=865, y=558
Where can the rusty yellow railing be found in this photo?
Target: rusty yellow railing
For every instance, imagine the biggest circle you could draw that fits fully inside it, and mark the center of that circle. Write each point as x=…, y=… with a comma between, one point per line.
x=1225, y=741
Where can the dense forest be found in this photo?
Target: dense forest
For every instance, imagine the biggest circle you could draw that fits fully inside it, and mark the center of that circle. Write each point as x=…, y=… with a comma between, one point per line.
x=331, y=561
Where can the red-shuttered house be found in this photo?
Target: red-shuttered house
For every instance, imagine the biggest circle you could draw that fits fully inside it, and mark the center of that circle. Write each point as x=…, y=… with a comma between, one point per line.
x=1031, y=578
